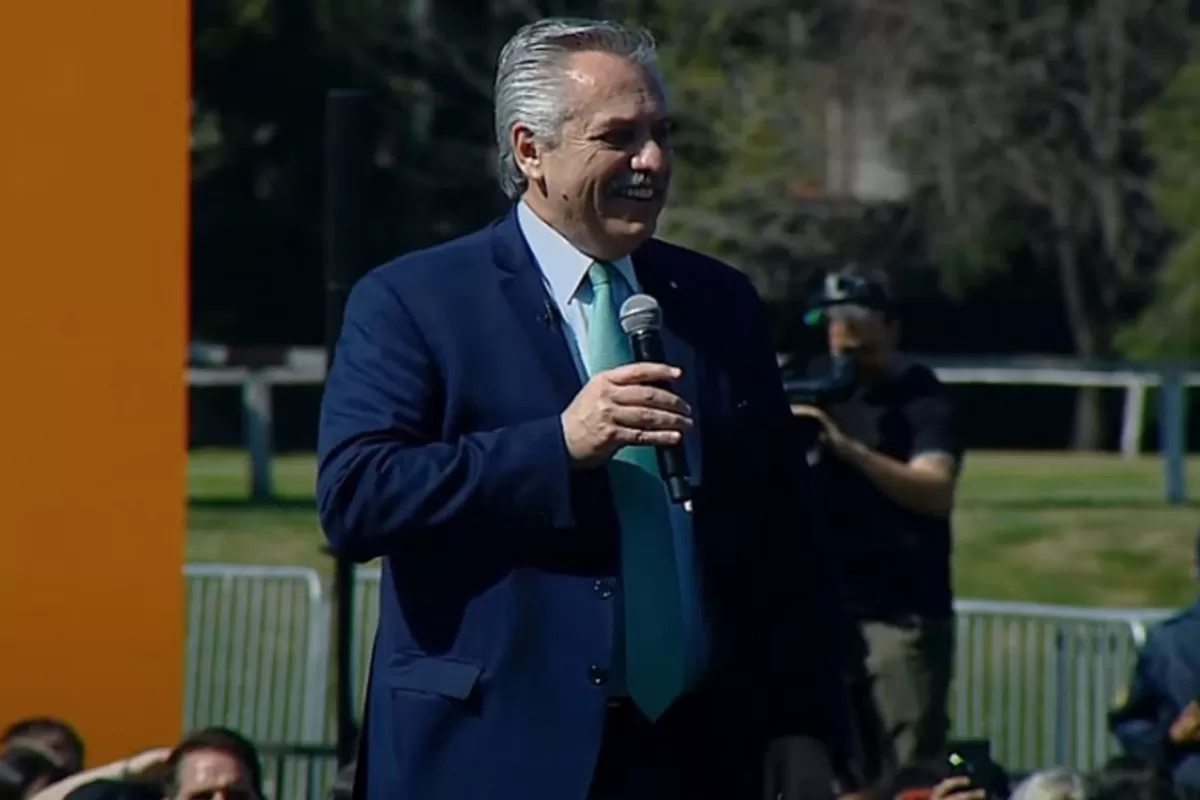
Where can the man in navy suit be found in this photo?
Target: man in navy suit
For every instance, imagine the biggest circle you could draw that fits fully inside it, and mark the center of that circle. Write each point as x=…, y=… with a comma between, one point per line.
x=551, y=627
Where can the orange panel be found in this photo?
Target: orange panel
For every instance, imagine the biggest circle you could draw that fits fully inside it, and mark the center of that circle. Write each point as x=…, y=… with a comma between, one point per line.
x=93, y=327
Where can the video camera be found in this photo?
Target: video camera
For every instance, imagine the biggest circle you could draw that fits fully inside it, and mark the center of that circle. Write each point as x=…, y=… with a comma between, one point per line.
x=850, y=293
x=835, y=385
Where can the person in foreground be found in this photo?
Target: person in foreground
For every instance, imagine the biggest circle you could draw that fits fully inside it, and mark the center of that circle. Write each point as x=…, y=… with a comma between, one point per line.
x=1158, y=718
x=551, y=627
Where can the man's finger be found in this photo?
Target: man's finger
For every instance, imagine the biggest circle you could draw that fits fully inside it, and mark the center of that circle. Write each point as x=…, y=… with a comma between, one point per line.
x=650, y=419
x=642, y=372
x=648, y=438
x=650, y=397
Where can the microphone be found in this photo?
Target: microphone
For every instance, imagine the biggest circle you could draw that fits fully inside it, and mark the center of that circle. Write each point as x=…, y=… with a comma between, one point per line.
x=641, y=319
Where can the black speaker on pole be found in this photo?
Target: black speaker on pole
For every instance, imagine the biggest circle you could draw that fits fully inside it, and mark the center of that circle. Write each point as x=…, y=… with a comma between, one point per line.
x=348, y=153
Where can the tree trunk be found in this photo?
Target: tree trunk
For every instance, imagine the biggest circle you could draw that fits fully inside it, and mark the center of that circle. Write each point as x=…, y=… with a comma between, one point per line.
x=1090, y=343
x=1088, y=432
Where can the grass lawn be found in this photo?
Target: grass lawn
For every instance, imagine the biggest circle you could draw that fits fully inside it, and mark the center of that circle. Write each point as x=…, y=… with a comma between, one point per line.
x=1056, y=528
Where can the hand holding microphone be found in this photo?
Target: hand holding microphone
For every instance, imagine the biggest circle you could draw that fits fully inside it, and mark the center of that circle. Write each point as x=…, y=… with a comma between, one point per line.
x=623, y=406
x=631, y=404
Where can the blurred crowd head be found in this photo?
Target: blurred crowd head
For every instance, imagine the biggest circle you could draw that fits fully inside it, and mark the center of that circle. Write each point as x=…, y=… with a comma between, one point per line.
x=35, y=753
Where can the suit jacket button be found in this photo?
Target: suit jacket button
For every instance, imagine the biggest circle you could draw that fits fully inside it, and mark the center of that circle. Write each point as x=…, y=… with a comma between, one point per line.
x=597, y=676
x=603, y=588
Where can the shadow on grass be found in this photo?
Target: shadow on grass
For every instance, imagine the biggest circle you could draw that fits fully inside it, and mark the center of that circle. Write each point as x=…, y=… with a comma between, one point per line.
x=1074, y=504
x=245, y=504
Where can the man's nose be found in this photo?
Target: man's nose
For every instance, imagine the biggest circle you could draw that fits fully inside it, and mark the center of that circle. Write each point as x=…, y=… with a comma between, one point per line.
x=651, y=158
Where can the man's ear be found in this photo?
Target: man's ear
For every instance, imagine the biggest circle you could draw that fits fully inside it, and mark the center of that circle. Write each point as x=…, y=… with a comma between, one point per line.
x=528, y=153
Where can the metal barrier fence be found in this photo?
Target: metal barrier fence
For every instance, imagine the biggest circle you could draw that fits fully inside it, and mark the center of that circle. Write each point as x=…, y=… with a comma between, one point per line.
x=298, y=772
x=257, y=661
x=1036, y=680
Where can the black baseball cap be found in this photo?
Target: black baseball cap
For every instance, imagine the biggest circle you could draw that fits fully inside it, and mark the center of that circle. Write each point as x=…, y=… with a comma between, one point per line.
x=853, y=291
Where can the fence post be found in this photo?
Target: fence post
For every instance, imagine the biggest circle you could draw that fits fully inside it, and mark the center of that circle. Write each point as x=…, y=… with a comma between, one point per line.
x=1062, y=696
x=349, y=137
x=1133, y=418
x=258, y=424
x=1137, y=629
x=1173, y=433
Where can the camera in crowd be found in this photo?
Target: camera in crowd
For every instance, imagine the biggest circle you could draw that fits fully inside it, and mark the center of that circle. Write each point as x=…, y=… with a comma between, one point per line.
x=835, y=385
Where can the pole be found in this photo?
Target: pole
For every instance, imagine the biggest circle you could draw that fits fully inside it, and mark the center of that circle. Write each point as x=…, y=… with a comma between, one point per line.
x=1172, y=422
x=347, y=163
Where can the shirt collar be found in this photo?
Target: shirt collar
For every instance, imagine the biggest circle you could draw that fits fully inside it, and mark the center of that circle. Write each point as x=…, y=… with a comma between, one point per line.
x=562, y=265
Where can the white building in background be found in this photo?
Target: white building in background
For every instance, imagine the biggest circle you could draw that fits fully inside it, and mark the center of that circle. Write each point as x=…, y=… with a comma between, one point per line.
x=859, y=163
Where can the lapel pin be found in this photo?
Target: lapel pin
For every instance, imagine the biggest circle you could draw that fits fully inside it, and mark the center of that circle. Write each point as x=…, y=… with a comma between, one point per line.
x=673, y=284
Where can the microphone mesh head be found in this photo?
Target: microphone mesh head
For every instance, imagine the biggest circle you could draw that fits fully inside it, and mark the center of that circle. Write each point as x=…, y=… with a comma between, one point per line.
x=640, y=313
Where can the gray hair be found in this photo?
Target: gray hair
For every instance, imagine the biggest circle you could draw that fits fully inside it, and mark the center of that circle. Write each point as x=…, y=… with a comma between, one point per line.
x=1052, y=784
x=529, y=80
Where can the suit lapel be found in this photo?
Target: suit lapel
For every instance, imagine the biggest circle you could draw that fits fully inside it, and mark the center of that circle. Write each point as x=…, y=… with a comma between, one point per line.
x=658, y=281
x=523, y=287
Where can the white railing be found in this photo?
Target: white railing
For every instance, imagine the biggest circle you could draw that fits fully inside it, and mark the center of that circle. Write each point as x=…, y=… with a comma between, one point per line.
x=306, y=367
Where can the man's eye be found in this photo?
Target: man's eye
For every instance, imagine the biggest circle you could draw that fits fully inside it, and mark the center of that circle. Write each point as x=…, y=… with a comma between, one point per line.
x=619, y=138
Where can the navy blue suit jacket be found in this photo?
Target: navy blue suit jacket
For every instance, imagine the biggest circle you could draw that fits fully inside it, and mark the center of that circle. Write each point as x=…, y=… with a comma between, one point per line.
x=441, y=452
x=1166, y=679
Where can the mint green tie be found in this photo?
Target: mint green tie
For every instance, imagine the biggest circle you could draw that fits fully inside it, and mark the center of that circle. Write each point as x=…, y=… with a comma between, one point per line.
x=654, y=643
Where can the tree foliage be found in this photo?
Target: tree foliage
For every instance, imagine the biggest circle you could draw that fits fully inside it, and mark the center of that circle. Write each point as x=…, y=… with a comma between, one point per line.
x=758, y=180
x=1169, y=327
x=1021, y=131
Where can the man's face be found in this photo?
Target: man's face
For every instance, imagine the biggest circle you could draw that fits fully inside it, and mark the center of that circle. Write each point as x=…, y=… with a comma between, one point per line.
x=864, y=331
x=213, y=775
x=603, y=183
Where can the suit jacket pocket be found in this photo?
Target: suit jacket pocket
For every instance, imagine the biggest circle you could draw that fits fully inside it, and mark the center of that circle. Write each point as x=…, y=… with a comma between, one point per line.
x=452, y=678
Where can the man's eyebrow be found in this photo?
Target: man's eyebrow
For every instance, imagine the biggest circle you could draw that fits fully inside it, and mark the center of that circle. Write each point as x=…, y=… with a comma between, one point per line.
x=608, y=123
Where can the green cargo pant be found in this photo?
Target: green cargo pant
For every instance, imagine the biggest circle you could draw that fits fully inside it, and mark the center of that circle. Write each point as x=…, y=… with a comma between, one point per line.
x=901, y=694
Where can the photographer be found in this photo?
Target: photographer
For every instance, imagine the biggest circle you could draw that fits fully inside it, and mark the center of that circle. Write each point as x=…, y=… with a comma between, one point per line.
x=886, y=457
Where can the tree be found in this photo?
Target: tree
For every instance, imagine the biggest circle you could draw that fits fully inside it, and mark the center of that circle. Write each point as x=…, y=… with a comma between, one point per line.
x=1020, y=130
x=764, y=178
x=1170, y=326
x=262, y=69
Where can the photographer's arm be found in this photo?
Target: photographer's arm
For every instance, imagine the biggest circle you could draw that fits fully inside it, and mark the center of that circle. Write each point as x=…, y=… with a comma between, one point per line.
x=925, y=484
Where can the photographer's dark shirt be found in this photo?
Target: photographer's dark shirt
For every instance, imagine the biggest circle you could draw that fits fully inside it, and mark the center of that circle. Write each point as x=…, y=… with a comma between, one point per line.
x=895, y=562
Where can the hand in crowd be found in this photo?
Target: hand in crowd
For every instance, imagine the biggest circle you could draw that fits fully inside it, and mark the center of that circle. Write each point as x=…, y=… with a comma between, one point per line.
x=116, y=770
x=1186, y=727
x=145, y=760
x=957, y=787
